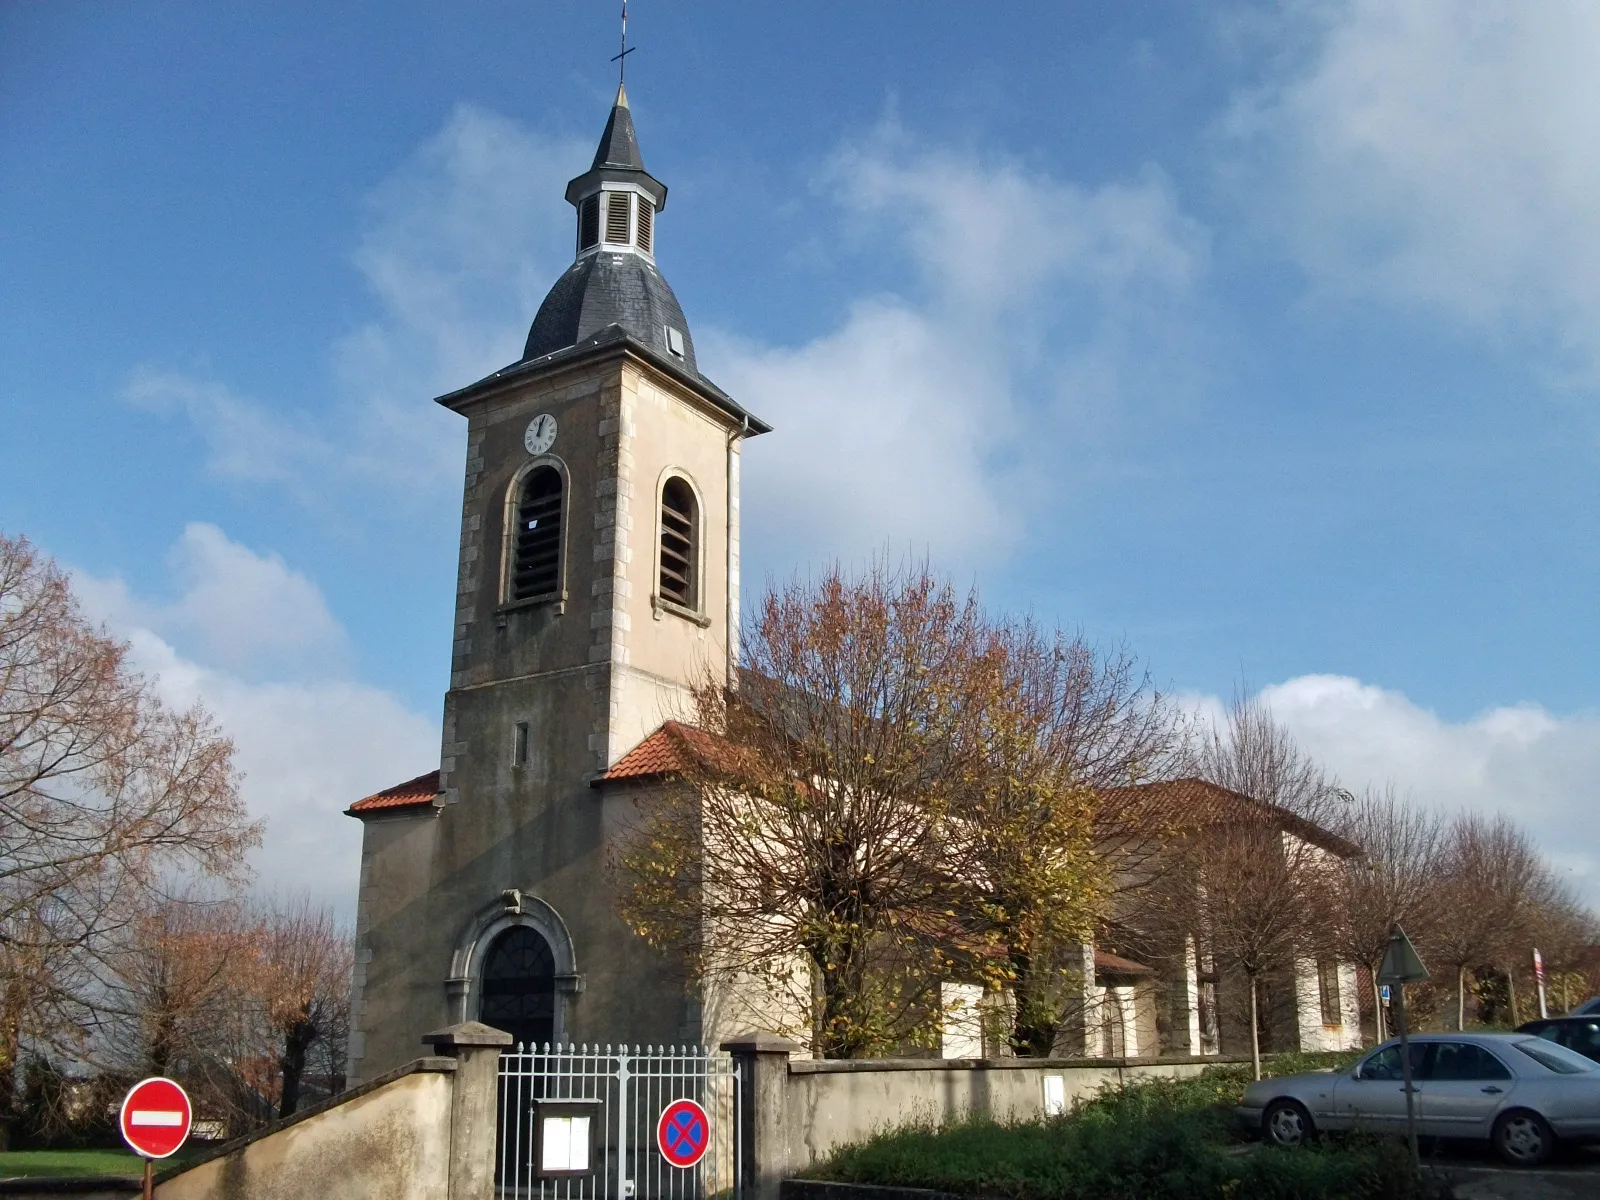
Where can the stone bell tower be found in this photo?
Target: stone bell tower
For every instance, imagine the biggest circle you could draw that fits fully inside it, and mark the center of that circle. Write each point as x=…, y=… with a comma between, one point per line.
x=598, y=579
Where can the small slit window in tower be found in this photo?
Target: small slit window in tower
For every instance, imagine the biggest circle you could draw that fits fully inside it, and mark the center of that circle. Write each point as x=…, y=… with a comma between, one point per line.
x=617, y=217
x=679, y=538
x=647, y=219
x=536, y=570
x=519, y=745
x=588, y=222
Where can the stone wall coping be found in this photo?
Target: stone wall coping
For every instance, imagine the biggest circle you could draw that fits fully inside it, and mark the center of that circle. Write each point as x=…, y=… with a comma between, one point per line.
x=827, y=1066
x=432, y=1063
x=760, y=1043
x=467, y=1035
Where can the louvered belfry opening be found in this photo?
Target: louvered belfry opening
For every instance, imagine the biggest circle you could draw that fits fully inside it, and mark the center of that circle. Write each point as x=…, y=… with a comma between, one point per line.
x=617, y=217
x=647, y=213
x=588, y=222
x=679, y=529
x=537, y=570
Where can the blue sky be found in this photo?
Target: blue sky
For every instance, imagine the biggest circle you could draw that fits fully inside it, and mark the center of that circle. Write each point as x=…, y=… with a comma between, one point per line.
x=1265, y=337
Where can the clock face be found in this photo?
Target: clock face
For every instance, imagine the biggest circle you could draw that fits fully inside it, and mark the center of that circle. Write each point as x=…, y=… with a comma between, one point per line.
x=541, y=434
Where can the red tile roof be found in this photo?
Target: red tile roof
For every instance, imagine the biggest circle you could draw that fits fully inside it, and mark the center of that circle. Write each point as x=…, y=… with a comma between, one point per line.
x=1184, y=804
x=412, y=792
x=661, y=753
x=1111, y=964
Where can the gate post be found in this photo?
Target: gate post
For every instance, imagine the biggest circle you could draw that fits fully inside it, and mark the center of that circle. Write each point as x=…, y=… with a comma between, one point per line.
x=762, y=1060
x=474, y=1123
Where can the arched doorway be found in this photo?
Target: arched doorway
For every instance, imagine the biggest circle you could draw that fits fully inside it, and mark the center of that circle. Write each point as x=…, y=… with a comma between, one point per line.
x=519, y=986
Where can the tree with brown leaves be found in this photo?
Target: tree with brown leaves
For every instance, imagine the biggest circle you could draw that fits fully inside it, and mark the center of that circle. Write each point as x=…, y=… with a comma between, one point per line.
x=105, y=796
x=305, y=962
x=1028, y=812
x=807, y=845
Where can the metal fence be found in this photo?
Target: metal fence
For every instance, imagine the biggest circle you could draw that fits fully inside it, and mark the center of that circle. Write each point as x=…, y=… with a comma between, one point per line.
x=607, y=1103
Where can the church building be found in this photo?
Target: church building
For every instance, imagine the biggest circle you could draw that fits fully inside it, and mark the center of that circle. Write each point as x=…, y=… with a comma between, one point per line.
x=598, y=581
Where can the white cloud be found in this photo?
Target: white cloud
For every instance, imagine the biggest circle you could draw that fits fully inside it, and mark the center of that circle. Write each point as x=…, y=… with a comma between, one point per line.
x=1438, y=153
x=236, y=609
x=1044, y=310
x=460, y=244
x=1535, y=766
x=308, y=745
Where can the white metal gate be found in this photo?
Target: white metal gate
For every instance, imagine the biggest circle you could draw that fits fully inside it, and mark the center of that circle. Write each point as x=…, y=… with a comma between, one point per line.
x=621, y=1094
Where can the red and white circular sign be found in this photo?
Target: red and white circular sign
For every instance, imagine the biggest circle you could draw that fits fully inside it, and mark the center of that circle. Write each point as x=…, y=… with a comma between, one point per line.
x=683, y=1133
x=156, y=1117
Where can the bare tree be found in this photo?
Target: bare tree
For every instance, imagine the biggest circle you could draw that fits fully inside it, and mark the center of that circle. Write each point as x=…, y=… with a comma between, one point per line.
x=306, y=961
x=1489, y=876
x=177, y=982
x=1262, y=888
x=1393, y=883
x=105, y=795
x=808, y=842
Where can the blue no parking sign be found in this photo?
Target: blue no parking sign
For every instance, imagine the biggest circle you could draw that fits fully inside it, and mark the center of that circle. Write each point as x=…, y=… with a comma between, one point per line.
x=684, y=1133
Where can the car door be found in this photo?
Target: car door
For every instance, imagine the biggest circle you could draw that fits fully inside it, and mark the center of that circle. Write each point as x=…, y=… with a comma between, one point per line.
x=1582, y=1036
x=1373, y=1096
x=1467, y=1086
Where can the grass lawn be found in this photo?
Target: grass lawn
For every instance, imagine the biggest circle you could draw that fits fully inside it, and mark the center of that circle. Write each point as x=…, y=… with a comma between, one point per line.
x=42, y=1163
x=1151, y=1140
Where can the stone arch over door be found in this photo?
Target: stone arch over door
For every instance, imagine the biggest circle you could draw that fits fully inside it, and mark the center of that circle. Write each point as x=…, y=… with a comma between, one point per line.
x=476, y=945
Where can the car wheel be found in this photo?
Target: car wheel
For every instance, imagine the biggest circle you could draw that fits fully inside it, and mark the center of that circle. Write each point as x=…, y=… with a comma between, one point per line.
x=1523, y=1139
x=1287, y=1123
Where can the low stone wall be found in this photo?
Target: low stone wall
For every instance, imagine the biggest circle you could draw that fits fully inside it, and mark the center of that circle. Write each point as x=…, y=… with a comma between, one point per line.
x=831, y=1104
x=390, y=1138
x=796, y=1112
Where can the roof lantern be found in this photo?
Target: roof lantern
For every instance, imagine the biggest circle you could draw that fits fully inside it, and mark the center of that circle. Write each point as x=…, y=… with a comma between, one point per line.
x=614, y=279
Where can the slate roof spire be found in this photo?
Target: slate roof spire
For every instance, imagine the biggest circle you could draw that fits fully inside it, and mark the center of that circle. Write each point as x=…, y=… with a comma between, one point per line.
x=617, y=159
x=614, y=279
x=619, y=145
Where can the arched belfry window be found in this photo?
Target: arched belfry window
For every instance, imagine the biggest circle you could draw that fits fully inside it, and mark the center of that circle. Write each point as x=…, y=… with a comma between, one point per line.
x=680, y=544
x=535, y=544
x=518, y=992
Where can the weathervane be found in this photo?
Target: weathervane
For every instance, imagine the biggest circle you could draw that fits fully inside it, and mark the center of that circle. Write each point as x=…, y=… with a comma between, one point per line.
x=622, y=59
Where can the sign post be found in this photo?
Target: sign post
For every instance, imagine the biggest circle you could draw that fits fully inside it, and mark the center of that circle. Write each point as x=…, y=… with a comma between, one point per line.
x=156, y=1116
x=1401, y=965
x=1538, y=977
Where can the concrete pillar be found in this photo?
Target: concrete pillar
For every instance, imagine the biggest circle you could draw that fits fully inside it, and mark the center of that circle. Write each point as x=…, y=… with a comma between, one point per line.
x=473, y=1117
x=763, y=1064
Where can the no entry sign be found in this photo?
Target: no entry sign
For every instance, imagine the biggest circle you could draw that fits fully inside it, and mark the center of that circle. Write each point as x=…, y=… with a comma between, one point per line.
x=683, y=1133
x=156, y=1117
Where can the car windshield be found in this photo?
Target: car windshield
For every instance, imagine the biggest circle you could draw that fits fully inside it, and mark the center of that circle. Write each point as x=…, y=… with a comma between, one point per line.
x=1557, y=1058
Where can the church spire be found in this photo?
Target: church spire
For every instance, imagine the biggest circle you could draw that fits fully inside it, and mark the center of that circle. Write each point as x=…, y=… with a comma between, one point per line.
x=619, y=145
x=614, y=279
x=617, y=161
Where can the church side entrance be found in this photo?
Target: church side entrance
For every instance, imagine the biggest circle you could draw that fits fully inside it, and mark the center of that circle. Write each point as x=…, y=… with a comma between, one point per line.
x=519, y=988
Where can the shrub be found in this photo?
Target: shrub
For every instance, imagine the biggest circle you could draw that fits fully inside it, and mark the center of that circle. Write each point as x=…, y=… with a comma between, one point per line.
x=1155, y=1139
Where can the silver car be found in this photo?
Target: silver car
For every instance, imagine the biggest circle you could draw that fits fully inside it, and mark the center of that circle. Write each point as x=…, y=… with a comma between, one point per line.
x=1522, y=1093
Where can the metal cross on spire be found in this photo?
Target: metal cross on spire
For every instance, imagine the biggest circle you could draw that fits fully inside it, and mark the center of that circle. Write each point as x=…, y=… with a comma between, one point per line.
x=622, y=59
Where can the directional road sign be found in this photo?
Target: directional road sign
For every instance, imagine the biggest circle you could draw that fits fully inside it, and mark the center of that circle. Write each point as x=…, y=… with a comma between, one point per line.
x=156, y=1117
x=683, y=1133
